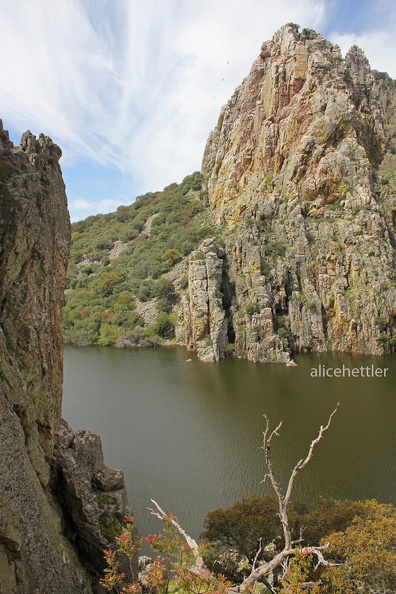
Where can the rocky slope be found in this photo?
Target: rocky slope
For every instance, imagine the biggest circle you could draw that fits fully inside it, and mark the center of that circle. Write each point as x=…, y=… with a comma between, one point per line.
x=57, y=500
x=294, y=171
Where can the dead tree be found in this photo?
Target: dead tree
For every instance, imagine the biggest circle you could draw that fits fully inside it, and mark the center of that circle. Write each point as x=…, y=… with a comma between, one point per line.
x=290, y=545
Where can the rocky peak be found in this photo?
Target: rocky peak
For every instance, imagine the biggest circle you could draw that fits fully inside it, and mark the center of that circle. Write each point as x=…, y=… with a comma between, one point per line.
x=298, y=109
x=42, y=148
x=356, y=59
x=293, y=169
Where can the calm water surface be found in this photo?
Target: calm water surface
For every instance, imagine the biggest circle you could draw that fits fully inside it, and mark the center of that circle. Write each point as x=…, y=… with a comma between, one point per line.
x=188, y=434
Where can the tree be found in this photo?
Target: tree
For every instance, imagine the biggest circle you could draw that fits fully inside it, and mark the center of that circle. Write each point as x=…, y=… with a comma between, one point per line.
x=171, y=256
x=191, y=571
x=365, y=552
x=241, y=525
x=109, y=281
x=290, y=546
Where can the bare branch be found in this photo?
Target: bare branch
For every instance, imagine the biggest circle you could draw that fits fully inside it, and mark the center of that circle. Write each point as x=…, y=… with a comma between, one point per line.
x=266, y=447
x=190, y=541
x=266, y=568
x=260, y=548
x=275, y=485
x=283, y=501
x=300, y=539
x=318, y=552
x=268, y=585
x=274, y=432
x=303, y=462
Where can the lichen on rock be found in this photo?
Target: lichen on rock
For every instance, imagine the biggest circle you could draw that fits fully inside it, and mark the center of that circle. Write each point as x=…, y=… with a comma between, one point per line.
x=293, y=169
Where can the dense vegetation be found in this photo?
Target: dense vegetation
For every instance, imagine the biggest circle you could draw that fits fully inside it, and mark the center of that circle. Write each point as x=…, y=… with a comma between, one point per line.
x=357, y=538
x=119, y=262
x=361, y=537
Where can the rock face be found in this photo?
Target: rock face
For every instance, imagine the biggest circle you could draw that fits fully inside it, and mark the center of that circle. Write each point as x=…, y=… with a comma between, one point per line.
x=92, y=496
x=301, y=170
x=34, y=230
x=204, y=318
x=35, y=501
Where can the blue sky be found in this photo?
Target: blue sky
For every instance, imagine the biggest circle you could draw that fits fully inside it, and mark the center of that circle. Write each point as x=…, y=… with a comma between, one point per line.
x=130, y=89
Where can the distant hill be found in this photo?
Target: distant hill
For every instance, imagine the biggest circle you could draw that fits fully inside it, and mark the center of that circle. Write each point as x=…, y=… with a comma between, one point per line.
x=127, y=267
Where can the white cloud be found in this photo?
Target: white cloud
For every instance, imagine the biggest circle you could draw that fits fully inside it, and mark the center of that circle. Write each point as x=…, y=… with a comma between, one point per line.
x=379, y=47
x=81, y=206
x=377, y=40
x=138, y=85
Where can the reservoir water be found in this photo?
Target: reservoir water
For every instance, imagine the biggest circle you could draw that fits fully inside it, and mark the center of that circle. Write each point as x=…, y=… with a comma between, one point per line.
x=188, y=434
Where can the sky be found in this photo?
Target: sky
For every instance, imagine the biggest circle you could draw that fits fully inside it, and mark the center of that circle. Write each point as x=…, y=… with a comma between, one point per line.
x=130, y=89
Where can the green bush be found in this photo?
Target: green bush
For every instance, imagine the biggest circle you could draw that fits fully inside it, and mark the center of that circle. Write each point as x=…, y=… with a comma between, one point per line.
x=171, y=256
x=240, y=526
x=283, y=333
x=108, y=334
x=109, y=281
x=164, y=305
x=164, y=326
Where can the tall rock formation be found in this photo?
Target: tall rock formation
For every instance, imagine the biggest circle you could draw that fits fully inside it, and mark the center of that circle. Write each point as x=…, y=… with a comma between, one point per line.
x=45, y=477
x=294, y=171
x=204, y=323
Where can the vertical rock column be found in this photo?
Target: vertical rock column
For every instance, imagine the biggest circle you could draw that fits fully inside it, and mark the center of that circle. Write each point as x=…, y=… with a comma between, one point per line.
x=208, y=319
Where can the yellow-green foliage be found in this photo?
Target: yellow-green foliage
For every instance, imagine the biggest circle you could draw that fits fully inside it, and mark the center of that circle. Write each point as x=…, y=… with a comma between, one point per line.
x=362, y=537
x=365, y=551
x=297, y=574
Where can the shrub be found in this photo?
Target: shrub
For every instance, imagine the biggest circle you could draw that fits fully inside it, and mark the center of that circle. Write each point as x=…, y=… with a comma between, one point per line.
x=164, y=326
x=241, y=525
x=108, y=334
x=366, y=550
x=164, y=289
x=275, y=249
x=124, y=300
x=109, y=281
x=171, y=256
x=164, y=305
x=283, y=333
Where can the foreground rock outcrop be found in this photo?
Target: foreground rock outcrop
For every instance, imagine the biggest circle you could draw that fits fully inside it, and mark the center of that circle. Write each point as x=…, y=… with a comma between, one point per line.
x=92, y=496
x=301, y=168
x=46, y=545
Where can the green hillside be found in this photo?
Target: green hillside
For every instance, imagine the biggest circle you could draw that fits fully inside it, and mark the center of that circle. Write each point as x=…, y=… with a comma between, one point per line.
x=118, y=290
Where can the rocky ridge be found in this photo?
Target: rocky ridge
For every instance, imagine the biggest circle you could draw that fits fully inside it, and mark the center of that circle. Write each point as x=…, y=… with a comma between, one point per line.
x=301, y=170
x=58, y=501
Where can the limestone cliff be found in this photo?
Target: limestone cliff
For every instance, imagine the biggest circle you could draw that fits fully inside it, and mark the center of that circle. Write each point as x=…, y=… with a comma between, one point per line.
x=42, y=484
x=301, y=169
